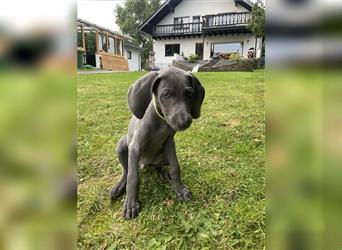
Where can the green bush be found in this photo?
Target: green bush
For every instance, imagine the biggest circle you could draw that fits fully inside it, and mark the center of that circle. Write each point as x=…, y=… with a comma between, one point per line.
x=193, y=58
x=235, y=56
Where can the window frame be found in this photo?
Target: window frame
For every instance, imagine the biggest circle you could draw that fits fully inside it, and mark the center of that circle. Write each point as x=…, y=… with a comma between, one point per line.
x=199, y=16
x=178, y=26
x=120, y=46
x=83, y=38
x=114, y=39
x=107, y=35
x=104, y=36
x=172, y=50
x=196, y=26
x=129, y=54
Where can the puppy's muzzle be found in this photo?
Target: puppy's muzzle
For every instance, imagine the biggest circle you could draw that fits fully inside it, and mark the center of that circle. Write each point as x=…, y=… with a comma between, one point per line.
x=182, y=121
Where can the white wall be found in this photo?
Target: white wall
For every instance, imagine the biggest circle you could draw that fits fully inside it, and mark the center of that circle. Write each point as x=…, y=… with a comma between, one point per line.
x=133, y=63
x=187, y=46
x=202, y=8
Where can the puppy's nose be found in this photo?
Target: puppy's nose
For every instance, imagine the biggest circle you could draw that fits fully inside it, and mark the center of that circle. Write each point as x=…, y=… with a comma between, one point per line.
x=185, y=122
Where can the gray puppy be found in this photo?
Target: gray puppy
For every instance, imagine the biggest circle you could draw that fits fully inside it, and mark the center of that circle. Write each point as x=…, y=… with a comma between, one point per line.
x=162, y=104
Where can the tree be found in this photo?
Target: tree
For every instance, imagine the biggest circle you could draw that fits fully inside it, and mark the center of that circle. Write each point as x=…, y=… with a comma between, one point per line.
x=257, y=20
x=130, y=16
x=257, y=24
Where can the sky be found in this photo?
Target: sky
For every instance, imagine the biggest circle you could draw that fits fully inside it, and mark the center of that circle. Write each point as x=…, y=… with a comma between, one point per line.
x=100, y=12
x=38, y=12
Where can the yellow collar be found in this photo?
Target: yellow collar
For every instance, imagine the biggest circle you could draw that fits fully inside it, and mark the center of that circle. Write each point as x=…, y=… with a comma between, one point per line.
x=155, y=107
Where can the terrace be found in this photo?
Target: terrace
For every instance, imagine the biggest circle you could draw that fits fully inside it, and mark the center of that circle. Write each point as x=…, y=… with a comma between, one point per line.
x=224, y=23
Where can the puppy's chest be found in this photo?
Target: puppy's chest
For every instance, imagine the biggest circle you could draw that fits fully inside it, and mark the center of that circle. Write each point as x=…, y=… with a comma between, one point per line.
x=154, y=148
x=156, y=142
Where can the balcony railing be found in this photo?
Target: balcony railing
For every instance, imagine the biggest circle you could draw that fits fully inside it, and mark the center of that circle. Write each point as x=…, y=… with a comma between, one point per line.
x=178, y=29
x=224, y=20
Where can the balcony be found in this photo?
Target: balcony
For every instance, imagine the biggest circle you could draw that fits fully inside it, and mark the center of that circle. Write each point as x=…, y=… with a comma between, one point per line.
x=178, y=29
x=212, y=24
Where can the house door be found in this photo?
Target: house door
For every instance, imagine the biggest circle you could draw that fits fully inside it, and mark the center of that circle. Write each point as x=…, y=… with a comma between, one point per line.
x=199, y=50
x=211, y=50
x=196, y=23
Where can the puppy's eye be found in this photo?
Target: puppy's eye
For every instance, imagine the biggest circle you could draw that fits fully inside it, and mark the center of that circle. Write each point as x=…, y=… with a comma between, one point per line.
x=166, y=94
x=189, y=94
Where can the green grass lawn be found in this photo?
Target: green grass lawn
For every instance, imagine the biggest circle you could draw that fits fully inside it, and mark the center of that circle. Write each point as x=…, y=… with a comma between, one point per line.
x=222, y=162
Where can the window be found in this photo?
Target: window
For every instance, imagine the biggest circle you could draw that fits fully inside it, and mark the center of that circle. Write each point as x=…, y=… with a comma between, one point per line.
x=227, y=48
x=171, y=49
x=102, y=42
x=80, y=40
x=90, y=41
x=199, y=50
x=118, y=47
x=196, y=19
x=111, y=43
x=129, y=54
x=196, y=23
x=180, y=21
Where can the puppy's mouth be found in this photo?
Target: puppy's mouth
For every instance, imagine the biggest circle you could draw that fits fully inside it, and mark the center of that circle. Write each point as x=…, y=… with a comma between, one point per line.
x=181, y=127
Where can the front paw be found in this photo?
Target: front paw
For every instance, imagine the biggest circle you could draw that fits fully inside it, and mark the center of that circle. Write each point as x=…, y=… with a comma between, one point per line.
x=183, y=193
x=130, y=209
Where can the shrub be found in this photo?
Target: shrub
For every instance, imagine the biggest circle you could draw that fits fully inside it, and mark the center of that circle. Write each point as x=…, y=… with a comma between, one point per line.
x=235, y=56
x=193, y=58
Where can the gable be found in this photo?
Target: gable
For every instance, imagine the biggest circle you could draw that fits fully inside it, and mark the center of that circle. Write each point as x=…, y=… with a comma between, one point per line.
x=167, y=7
x=173, y=8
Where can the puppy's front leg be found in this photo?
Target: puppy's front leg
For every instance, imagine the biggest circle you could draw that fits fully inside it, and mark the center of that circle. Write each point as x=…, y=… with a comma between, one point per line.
x=131, y=205
x=182, y=191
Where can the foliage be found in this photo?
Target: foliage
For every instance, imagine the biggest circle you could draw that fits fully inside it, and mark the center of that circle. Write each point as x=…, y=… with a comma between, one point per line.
x=133, y=14
x=257, y=25
x=90, y=42
x=235, y=56
x=193, y=58
x=222, y=162
x=87, y=66
x=257, y=21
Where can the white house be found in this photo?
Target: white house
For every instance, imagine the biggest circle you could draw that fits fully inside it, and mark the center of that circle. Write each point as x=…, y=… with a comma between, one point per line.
x=200, y=27
x=132, y=53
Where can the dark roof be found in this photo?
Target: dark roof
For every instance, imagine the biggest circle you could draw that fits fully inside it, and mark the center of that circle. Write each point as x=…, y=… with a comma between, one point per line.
x=158, y=15
x=130, y=44
x=100, y=27
x=245, y=3
x=168, y=6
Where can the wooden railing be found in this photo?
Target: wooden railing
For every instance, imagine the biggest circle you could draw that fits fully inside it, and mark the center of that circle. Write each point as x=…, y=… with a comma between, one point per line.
x=226, y=19
x=209, y=21
x=178, y=29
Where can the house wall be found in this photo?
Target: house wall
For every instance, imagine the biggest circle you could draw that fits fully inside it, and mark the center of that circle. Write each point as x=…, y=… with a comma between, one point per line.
x=187, y=46
x=202, y=8
x=134, y=63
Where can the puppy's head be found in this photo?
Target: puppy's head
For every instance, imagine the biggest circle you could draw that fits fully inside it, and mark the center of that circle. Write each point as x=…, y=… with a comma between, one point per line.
x=178, y=96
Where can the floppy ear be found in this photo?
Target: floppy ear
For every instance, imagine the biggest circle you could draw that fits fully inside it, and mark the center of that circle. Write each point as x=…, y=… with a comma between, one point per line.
x=198, y=97
x=140, y=94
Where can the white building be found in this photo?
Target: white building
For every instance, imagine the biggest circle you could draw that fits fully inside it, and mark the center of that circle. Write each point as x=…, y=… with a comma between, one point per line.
x=200, y=27
x=132, y=53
